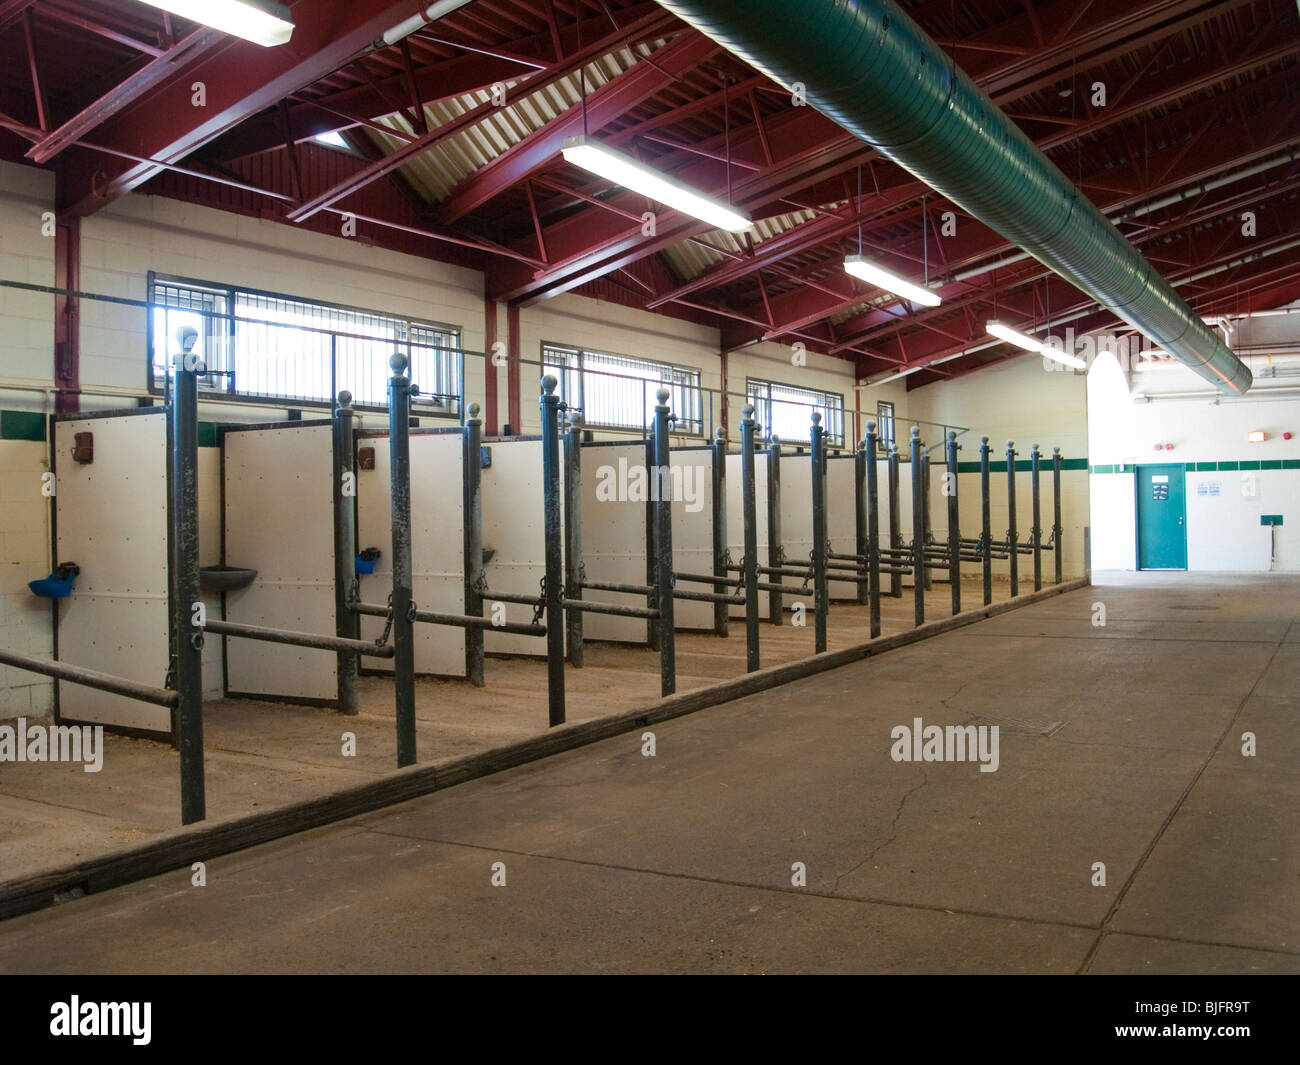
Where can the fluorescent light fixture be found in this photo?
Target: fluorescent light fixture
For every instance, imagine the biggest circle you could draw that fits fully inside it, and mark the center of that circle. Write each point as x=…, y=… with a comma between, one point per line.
x=333, y=138
x=865, y=270
x=259, y=21
x=1038, y=347
x=624, y=170
x=895, y=377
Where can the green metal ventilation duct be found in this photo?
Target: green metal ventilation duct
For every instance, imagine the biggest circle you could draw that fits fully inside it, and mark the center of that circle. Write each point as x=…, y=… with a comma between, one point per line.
x=872, y=70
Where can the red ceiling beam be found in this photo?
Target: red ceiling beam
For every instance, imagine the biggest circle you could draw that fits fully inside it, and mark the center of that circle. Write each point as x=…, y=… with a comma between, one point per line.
x=69, y=17
x=127, y=92
x=610, y=102
x=241, y=79
x=613, y=98
x=12, y=9
x=435, y=82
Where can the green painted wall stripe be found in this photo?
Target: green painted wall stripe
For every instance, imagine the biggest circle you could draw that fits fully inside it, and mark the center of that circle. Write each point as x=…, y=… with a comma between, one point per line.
x=22, y=425
x=1025, y=466
x=1209, y=467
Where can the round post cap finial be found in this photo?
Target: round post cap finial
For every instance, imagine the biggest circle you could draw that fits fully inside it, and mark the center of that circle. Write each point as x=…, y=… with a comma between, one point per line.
x=747, y=411
x=549, y=383
x=871, y=427
x=916, y=431
x=952, y=434
x=397, y=361
x=662, y=395
x=474, y=408
x=1056, y=451
x=1034, y=448
x=1011, y=443
x=575, y=418
x=345, y=398
x=719, y=433
x=816, y=418
x=984, y=440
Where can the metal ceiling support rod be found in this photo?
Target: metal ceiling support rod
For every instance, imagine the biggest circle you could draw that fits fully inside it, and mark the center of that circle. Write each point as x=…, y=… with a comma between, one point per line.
x=868, y=67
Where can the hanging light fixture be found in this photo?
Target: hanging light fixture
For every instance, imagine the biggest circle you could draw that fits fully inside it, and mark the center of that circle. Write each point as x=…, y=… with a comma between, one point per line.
x=867, y=271
x=623, y=170
x=1038, y=347
x=260, y=21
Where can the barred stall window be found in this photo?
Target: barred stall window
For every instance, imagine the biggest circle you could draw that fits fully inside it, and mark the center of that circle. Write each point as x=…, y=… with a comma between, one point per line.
x=884, y=426
x=257, y=345
x=785, y=411
x=618, y=391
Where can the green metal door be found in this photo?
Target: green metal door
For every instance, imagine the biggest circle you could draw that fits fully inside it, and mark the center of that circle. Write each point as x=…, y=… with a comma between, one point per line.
x=1161, y=518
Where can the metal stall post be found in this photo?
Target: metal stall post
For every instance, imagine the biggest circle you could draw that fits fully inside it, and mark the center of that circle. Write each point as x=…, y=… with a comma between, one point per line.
x=573, y=534
x=860, y=516
x=553, y=590
x=346, y=621
x=986, y=517
x=817, y=440
x=1013, y=536
x=1058, y=538
x=474, y=577
x=188, y=649
x=895, y=524
x=719, y=451
x=927, y=522
x=918, y=530
x=873, y=529
x=1037, y=537
x=954, y=524
x=775, y=555
x=400, y=391
x=652, y=628
x=663, y=483
x=750, y=561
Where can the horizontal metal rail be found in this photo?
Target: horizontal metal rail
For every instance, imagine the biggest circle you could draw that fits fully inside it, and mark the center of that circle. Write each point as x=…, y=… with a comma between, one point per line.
x=91, y=678
x=461, y=621
x=704, y=578
x=708, y=597
x=313, y=640
x=623, y=589
x=586, y=606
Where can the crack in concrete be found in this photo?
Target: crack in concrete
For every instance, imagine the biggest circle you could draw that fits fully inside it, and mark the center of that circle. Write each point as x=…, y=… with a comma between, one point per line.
x=893, y=831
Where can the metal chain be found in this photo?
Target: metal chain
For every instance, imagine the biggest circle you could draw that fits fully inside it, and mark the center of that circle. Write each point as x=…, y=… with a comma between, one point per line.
x=540, y=607
x=388, y=625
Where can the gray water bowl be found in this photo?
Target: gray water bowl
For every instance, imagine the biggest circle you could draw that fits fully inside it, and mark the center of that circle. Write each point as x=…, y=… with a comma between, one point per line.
x=225, y=578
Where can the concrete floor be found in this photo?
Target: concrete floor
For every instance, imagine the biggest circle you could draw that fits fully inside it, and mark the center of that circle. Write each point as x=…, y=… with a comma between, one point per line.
x=262, y=755
x=1119, y=745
